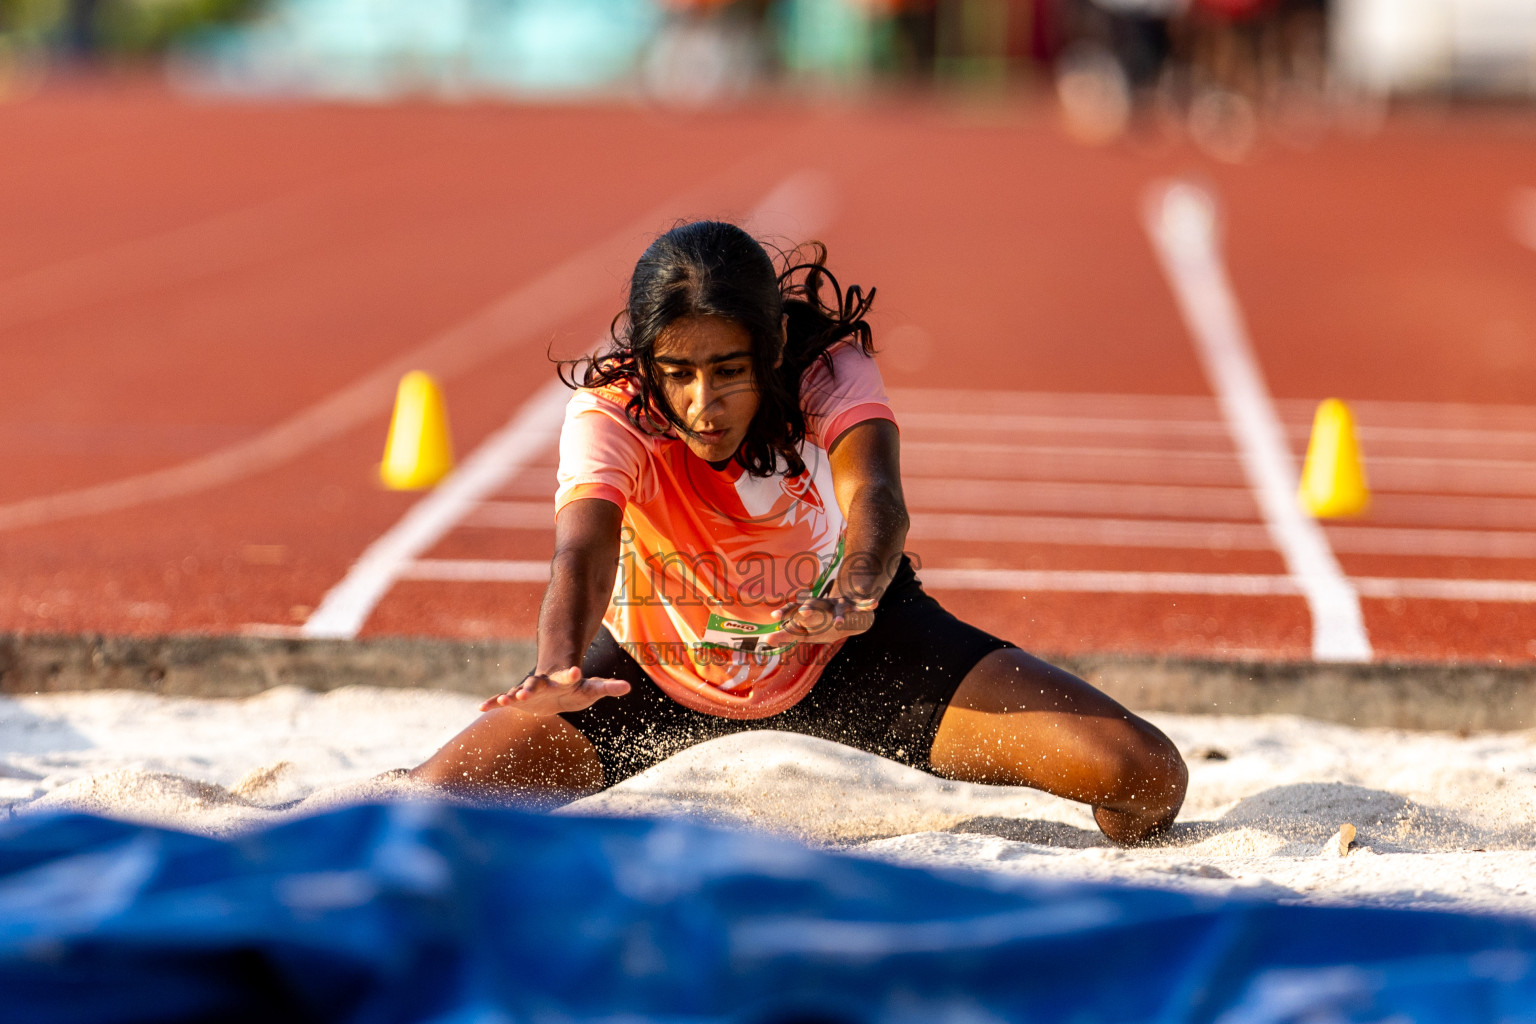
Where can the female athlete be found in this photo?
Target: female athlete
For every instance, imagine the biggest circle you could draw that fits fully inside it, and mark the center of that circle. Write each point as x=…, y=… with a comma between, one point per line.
x=728, y=556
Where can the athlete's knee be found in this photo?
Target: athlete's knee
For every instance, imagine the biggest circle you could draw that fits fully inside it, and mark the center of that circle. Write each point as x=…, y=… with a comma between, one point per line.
x=1150, y=771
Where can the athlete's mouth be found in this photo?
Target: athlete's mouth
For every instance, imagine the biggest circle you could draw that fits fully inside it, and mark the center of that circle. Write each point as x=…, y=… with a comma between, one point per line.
x=710, y=436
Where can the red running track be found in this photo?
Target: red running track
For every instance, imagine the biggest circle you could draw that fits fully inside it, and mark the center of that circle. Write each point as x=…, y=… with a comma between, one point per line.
x=202, y=309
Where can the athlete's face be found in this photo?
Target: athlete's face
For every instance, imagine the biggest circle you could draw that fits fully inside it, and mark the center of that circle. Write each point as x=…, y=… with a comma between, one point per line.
x=705, y=364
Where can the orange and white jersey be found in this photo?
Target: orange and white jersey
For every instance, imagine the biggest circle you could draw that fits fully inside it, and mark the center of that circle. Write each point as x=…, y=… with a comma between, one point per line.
x=707, y=555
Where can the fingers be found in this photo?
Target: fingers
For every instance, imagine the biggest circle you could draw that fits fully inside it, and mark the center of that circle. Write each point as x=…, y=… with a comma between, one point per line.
x=813, y=616
x=806, y=616
x=501, y=700
x=526, y=689
x=537, y=682
x=608, y=687
x=550, y=693
x=590, y=691
x=792, y=608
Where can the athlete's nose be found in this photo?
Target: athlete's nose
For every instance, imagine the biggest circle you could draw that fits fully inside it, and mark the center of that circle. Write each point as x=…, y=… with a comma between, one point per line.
x=702, y=397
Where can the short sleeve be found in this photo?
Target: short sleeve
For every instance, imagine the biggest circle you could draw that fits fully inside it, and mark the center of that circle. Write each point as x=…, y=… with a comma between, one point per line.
x=850, y=392
x=600, y=456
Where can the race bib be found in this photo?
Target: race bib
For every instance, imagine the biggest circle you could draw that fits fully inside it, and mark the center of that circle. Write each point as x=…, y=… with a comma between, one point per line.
x=764, y=638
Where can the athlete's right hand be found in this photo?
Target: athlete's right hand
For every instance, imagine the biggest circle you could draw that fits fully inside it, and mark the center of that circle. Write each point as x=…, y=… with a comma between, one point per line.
x=550, y=693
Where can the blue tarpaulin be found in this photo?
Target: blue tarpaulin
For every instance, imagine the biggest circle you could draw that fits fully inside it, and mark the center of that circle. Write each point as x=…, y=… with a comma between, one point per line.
x=428, y=912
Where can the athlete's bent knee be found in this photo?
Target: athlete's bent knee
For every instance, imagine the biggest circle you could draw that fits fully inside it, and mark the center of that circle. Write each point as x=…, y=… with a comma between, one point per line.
x=1150, y=775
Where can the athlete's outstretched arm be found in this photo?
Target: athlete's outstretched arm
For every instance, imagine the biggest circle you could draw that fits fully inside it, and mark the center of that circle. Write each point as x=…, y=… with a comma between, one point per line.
x=580, y=581
x=520, y=746
x=580, y=584
x=866, y=475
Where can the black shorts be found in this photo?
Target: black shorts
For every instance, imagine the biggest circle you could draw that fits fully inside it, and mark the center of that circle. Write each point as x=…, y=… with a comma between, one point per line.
x=884, y=691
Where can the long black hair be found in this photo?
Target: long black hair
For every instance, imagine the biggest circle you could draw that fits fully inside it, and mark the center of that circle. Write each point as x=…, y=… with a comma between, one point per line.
x=711, y=268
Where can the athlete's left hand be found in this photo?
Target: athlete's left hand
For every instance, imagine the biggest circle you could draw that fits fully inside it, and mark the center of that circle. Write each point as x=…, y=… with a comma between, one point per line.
x=822, y=620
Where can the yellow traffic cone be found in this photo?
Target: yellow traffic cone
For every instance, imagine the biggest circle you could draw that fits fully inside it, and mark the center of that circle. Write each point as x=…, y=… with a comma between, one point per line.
x=419, y=450
x=1333, y=477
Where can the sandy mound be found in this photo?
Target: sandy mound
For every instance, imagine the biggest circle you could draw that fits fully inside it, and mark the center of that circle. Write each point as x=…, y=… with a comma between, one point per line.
x=155, y=798
x=1441, y=820
x=802, y=786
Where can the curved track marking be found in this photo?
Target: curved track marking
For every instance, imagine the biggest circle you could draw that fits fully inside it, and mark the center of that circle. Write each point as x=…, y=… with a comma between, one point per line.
x=527, y=312
x=237, y=238
x=190, y=251
x=522, y=315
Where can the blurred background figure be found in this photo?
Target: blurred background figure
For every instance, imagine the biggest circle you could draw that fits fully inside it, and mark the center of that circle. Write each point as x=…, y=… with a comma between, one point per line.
x=707, y=51
x=1218, y=68
x=79, y=37
x=1255, y=59
x=909, y=42
x=914, y=40
x=1224, y=73
x=1231, y=51
x=1118, y=60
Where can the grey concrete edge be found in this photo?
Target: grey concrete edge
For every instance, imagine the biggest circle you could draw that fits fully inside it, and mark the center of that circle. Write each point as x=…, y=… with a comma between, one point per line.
x=1468, y=697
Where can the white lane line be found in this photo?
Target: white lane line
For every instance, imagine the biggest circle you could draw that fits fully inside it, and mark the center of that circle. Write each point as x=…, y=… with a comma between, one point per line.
x=1066, y=462
x=1451, y=476
x=1074, y=404
x=1025, y=423
x=522, y=443
x=1181, y=220
x=1455, y=445
x=538, y=517
x=534, y=428
x=1211, y=536
x=1233, y=584
x=942, y=494
x=1061, y=581
x=1092, y=531
x=1215, y=535
x=1106, y=582
x=1485, y=422
x=1453, y=510
x=1440, y=476
x=1391, y=540
x=1493, y=591
x=1089, y=532
x=467, y=570
x=1449, y=437
x=989, y=452
x=512, y=515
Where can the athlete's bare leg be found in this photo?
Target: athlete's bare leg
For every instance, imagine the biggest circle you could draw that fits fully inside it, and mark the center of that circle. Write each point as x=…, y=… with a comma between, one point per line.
x=508, y=753
x=1018, y=721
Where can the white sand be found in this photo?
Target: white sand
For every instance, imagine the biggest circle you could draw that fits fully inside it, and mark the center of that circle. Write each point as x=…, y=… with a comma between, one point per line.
x=1442, y=821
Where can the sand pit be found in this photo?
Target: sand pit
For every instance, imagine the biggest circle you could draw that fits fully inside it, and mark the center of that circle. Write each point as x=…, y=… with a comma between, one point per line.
x=1440, y=821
